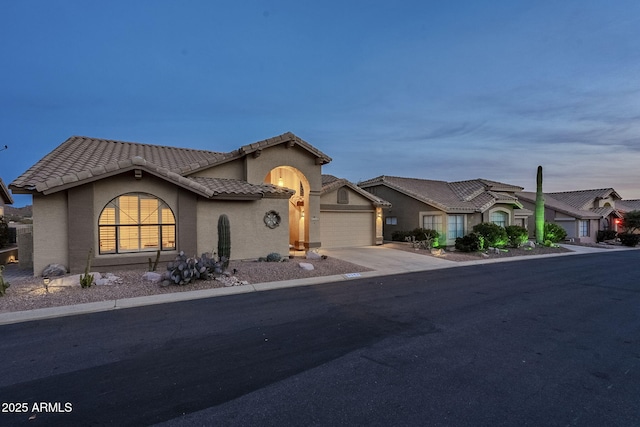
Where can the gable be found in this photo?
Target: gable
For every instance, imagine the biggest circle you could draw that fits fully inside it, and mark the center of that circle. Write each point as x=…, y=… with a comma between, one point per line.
x=82, y=160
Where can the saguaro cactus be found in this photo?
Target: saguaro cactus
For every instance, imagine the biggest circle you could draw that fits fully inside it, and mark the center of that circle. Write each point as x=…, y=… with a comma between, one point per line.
x=224, y=240
x=539, y=208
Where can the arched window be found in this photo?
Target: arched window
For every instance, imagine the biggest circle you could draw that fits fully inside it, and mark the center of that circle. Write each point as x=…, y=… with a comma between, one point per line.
x=136, y=222
x=343, y=196
x=500, y=218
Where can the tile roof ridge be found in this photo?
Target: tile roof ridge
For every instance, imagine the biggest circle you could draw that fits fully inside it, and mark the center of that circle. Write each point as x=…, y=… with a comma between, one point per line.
x=146, y=144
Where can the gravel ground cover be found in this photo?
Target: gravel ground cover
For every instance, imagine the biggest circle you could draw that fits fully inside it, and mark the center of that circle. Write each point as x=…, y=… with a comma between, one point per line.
x=30, y=293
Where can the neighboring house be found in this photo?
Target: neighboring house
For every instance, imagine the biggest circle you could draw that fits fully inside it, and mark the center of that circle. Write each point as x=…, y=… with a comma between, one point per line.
x=350, y=216
x=127, y=200
x=580, y=225
x=451, y=208
x=5, y=197
x=624, y=206
x=581, y=213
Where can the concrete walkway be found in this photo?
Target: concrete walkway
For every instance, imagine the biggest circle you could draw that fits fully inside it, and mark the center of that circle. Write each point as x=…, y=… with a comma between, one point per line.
x=382, y=260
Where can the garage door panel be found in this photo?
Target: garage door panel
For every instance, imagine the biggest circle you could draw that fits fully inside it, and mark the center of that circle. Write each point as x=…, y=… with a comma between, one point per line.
x=345, y=229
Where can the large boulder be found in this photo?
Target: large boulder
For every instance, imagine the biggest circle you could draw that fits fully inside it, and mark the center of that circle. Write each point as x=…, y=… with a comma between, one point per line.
x=54, y=270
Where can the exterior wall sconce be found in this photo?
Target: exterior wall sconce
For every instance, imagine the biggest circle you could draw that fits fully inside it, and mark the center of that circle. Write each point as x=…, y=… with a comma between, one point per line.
x=302, y=214
x=280, y=182
x=137, y=173
x=379, y=213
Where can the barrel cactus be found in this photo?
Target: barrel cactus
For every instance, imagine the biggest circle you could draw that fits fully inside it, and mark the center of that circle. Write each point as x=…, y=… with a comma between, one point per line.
x=224, y=240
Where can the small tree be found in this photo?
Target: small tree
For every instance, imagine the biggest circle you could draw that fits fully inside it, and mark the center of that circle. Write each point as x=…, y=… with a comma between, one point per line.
x=631, y=221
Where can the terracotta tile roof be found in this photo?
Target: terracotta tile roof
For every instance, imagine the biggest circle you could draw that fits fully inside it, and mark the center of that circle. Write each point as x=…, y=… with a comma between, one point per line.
x=628, y=205
x=234, y=187
x=81, y=159
x=285, y=138
x=475, y=195
x=331, y=183
x=5, y=195
x=558, y=205
x=79, y=156
x=584, y=199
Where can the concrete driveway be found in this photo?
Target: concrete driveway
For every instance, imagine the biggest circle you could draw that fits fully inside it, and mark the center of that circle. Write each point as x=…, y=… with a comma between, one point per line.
x=386, y=260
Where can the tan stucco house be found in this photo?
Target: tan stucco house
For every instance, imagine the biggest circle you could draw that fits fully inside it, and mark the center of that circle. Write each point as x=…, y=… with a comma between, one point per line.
x=127, y=200
x=580, y=225
x=451, y=208
x=580, y=213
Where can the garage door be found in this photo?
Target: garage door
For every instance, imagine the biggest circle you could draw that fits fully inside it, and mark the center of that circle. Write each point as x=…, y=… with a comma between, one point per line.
x=344, y=229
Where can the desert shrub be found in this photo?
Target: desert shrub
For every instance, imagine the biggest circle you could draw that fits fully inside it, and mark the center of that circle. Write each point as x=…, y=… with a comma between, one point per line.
x=554, y=232
x=629, y=239
x=517, y=235
x=400, y=236
x=493, y=234
x=419, y=234
x=603, y=235
x=472, y=242
x=274, y=257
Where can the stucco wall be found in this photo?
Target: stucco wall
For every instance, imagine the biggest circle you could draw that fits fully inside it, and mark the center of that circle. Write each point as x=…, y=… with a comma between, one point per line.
x=50, y=231
x=257, y=169
x=107, y=190
x=250, y=237
x=230, y=170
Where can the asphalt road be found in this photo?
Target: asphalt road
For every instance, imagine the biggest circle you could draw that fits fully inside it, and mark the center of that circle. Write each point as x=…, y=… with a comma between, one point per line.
x=543, y=342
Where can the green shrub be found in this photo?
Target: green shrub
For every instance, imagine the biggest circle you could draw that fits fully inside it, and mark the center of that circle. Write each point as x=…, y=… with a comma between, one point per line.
x=517, y=235
x=472, y=242
x=400, y=236
x=554, y=232
x=603, y=235
x=493, y=234
x=629, y=239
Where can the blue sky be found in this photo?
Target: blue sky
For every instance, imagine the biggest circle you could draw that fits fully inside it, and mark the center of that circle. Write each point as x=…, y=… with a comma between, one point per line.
x=448, y=90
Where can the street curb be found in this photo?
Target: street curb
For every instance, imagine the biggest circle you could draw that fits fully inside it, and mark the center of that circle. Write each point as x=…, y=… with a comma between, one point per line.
x=100, y=306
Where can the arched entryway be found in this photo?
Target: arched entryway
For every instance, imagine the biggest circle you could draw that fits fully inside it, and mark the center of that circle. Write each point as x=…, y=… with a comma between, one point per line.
x=292, y=178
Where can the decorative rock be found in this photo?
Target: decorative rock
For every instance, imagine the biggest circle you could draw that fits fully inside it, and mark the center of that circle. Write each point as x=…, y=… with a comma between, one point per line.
x=437, y=252
x=152, y=277
x=306, y=266
x=529, y=244
x=313, y=255
x=54, y=270
x=71, y=281
x=231, y=281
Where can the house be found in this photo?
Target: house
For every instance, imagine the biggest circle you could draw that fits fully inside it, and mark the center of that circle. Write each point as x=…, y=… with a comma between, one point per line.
x=5, y=197
x=126, y=200
x=580, y=225
x=451, y=208
x=624, y=206
x=580, y=213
